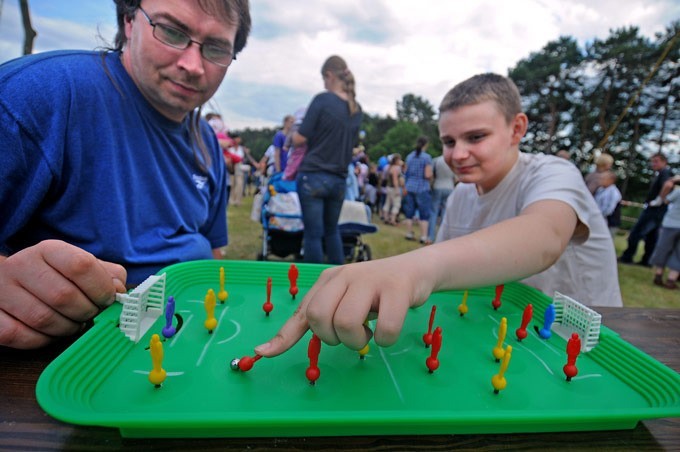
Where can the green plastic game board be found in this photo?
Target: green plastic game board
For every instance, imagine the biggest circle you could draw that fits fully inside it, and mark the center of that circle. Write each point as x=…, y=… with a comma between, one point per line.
x=102, y=379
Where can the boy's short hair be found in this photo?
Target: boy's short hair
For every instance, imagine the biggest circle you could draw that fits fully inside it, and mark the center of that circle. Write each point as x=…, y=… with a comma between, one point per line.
x=483, y=87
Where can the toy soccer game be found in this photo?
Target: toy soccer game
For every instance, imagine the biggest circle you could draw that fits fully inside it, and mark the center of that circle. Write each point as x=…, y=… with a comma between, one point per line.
x=174, y=358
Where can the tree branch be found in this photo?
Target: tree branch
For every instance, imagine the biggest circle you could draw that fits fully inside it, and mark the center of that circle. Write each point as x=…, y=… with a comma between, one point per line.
x=29, y=32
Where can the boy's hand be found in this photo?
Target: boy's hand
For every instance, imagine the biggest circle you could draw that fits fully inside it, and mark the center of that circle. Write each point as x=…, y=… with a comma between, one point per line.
x=343, y=297
x=50, y=289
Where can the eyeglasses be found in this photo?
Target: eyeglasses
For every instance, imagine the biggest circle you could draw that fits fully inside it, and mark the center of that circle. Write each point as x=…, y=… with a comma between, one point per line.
x=178, y=39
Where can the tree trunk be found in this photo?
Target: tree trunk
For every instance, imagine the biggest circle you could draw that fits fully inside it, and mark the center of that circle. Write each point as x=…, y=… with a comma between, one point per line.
x=552, y=127
x=664, y=118
x=632, y=150
x=29, y=32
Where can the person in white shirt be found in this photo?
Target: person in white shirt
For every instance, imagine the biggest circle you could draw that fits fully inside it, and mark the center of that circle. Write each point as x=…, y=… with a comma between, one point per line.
x=607, y=196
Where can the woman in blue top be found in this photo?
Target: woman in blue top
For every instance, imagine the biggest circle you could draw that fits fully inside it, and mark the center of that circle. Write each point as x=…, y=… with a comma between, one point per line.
x=330, y=130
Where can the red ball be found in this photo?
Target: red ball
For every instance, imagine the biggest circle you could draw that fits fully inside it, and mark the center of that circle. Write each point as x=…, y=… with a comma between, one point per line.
x=427, y=338
x=268, y=307
x=432, y=363
x=294, y=290
x=570, y=370
x=313, y=374
x=246, y=363
x=521, y=333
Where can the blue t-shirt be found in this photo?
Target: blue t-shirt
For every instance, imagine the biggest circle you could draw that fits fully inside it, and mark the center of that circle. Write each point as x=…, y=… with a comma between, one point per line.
x=278, y=142
x=331, y=135
x=86, y=159
x=382, y=162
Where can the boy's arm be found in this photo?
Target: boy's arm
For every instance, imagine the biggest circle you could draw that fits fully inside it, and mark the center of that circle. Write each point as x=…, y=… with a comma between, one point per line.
x=344, y=297
x=50, y=289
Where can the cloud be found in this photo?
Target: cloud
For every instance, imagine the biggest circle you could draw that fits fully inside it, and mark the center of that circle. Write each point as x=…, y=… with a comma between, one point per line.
x=393, y=47
x=585, y=20
x=420, y=47
x=414, y=50
x=94, y=27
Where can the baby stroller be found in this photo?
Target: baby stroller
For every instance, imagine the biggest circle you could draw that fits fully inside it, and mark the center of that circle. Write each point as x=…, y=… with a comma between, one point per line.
x=355, y=220
x=283, y=230
x=281, y=218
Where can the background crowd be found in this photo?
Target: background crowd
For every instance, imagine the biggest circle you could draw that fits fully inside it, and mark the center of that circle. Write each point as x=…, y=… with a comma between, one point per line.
x=412, y=190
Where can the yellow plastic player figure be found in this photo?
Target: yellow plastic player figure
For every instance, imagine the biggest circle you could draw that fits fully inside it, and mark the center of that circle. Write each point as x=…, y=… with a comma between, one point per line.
x=222, y=295
x=210, y=302
x=463, y=307
x=498, y=351
x=498, y=381
x=157, y=374
x=364, y=351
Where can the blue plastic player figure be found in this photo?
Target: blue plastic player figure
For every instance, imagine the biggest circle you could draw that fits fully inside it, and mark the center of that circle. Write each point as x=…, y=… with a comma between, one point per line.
x=169, y=330
x=545, y=333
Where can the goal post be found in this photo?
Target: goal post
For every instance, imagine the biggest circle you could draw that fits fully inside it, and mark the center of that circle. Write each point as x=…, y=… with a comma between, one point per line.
x=142, y=306
x=574, y=317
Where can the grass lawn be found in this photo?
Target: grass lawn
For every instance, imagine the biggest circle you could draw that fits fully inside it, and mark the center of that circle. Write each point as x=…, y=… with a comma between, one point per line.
x=245, y=238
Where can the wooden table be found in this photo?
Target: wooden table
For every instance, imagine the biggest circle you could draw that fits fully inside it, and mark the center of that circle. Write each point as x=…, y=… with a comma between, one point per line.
x=24, y=426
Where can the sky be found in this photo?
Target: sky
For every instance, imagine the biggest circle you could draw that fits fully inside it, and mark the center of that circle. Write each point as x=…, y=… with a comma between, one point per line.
x=393, y=47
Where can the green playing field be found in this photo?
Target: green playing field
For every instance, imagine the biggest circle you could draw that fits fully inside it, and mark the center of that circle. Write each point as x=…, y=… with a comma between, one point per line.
x=103, y=378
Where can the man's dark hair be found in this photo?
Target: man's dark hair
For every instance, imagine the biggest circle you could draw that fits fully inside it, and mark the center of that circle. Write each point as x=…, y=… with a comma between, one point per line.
x=661, y=156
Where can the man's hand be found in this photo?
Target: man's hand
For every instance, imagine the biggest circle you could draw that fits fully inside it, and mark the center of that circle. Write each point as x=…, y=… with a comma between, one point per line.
x=50, y=290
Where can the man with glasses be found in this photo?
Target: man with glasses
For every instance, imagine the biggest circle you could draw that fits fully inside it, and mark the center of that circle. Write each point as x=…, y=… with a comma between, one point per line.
x=107, y=172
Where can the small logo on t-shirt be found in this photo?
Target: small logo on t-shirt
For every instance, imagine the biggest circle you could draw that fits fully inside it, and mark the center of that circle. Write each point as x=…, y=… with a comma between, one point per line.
x=200, y=181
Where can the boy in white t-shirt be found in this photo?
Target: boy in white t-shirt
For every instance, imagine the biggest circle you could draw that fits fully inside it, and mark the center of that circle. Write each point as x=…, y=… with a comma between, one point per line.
x=513, y=216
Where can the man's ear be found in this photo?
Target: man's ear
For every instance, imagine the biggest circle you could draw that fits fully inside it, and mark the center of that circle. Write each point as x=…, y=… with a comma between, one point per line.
x=128, y=17
x=519, y=127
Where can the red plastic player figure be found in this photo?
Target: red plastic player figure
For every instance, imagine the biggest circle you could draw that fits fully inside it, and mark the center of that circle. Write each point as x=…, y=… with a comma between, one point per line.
x=292, y=277
x=427, y=337
x=313, y=351
x=521, y=332
x=496, y=303
x=432, y=362
x=573, y=349
x=268, y=306
x=246, y=363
